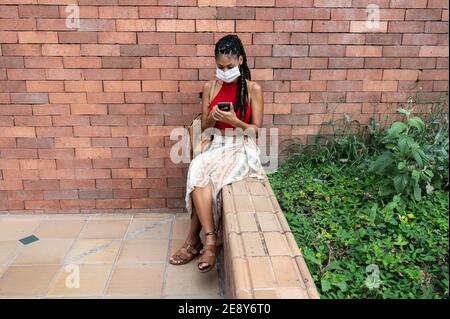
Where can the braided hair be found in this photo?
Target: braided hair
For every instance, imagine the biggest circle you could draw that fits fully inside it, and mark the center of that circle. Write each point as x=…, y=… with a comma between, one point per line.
x=231, y=44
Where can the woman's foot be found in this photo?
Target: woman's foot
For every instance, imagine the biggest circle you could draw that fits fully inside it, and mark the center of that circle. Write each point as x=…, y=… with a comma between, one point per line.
x=190, y=249
x=210, y=252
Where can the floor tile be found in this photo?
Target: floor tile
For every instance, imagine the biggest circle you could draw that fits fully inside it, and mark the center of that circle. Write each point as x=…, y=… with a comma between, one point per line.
x=144, y=228
x=44, y=251
x=143, y=251
x=8, y=249
x=137, y=281
x=92, y=281
x=187, y=280
x=59, y=228
x=16, y=228
x=32, y=281
x=87, y=251
x=105, y=228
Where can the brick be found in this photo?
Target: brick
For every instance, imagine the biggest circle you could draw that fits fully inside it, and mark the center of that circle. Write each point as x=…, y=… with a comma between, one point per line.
x=411, y=75
x=70, y=120
x=118, y=12
x=87, y=131
x=56, y=153
x=113, y=183
x=40, y=142
x=17, y=24
x=82, y=173
x=109, y=142
x=78, y=37
x=60, y=50
x=60, y=194
x=364, y=51
x=46, y=86
x=433, y=51
x=175, y=25
x=33, y=121
x=116, y=37
x=96, y=194
x=423, y=14
x=135, y=25
x=37, y=37
x=110, y=163
x=122, y=86
x=130, y=193
x=37, y=164
x=72, y=142
x=93, y=153
x=77, y=184
x=17, y=132
x=88, y=109
x=169, y=12
x=330, y=26
x=291, y=26
x=112, y=203
x=29, y=98
x=82, y=62
x=41, y=184
x=83, y=86
x=42, y=204
x=54, y=131
x=326, y=50
x=99, y=50
x=364, y=26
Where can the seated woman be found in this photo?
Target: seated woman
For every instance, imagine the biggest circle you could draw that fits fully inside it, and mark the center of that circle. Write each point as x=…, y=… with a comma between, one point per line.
x=222, y=162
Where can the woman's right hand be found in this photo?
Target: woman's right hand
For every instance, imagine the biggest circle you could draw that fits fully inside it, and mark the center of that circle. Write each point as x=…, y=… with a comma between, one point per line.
x=211, y=114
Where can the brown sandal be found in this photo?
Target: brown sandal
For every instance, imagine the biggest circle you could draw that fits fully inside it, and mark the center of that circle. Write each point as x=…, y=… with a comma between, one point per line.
x=209, y=255
x=186, y=253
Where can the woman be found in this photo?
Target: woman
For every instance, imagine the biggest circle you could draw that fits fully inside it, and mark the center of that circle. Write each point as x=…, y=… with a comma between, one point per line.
x=222, y=162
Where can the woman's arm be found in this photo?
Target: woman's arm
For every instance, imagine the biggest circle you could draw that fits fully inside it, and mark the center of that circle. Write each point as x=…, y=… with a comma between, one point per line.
x=207, y=119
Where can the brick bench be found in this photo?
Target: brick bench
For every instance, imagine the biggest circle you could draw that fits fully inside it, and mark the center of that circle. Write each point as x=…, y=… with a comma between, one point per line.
x=260, y=257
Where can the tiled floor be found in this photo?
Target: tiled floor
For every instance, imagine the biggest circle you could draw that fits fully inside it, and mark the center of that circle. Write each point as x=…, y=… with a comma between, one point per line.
x=98, y=256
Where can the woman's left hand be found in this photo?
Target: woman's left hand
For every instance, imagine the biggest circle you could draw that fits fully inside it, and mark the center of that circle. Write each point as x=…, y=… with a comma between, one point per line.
x=225, y=116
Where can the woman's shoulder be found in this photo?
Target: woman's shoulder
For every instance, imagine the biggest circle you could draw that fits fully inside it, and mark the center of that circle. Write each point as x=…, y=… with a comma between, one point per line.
x=253, y=86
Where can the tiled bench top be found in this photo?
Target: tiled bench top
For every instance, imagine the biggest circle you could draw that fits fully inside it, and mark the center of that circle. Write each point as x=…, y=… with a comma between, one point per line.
x=261, y=257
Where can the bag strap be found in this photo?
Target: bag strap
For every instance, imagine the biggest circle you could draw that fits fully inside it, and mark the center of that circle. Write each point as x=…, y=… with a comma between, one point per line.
x=212, y=92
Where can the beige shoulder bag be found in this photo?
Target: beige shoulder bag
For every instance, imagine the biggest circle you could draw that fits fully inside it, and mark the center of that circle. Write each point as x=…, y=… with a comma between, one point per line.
x=196, y=126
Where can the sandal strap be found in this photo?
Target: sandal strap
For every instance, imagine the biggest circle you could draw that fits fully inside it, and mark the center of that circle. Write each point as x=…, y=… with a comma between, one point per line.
x=191, y=249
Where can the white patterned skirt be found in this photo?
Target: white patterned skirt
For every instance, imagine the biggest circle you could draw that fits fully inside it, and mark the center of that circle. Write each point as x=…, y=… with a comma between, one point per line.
x=228, y=159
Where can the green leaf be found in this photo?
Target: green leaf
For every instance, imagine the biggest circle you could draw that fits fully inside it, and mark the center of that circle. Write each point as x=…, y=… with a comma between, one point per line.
x=400, y=182
x=383, y=161
x=417, y=158
x=417, y=191
x=417, y=123
x=325, y=285
x=395, y=129
x=403, y=111
x=373, y=212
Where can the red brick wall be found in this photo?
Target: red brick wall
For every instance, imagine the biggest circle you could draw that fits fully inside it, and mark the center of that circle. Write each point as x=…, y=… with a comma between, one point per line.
x=85, y=115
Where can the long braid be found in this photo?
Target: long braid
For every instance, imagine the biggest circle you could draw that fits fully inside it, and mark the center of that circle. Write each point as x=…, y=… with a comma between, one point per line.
x=231, y=44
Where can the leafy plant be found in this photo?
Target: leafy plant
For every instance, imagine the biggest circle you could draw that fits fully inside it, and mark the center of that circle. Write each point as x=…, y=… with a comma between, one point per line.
x=404, y=164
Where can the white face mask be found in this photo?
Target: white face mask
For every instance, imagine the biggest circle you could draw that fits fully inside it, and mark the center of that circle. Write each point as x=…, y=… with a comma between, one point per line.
x=228, y=76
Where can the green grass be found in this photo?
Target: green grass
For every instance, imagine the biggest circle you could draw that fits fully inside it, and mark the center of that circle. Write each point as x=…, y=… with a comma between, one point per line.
x=355, y=244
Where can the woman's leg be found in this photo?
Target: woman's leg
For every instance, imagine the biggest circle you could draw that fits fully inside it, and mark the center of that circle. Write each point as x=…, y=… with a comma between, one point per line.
x=192, y=238
x=202, y=198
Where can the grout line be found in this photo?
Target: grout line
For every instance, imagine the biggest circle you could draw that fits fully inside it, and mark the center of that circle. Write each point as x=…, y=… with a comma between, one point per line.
x=114, y=265
x=75, y=240
x=166, y=264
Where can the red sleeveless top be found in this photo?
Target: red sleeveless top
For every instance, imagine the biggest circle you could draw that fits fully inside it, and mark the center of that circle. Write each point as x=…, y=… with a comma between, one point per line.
x=228, y=93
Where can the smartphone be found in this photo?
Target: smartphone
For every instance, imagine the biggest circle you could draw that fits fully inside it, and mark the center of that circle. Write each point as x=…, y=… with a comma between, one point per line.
x=224, y=106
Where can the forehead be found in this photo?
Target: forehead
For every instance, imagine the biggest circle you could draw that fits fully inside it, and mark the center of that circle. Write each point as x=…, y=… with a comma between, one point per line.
x=225, y=60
